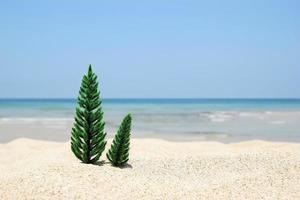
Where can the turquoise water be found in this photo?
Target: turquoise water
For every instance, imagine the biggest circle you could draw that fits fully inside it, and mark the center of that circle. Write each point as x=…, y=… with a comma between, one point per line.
x=213, y=119
x=65, y=107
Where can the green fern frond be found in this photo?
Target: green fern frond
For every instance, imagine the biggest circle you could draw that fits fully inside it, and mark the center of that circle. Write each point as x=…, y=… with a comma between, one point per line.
x=118, y=154
x=88, y=136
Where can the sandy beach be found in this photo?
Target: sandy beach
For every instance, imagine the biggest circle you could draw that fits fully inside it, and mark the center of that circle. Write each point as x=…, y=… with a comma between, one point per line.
x=158, y=169
x=195, y=100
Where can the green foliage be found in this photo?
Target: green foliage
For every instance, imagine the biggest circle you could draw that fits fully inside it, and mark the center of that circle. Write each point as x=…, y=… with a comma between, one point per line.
x=118, y=153
x=88, y=137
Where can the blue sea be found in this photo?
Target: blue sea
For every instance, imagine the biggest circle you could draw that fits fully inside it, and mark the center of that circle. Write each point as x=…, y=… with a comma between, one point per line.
x=226, y=120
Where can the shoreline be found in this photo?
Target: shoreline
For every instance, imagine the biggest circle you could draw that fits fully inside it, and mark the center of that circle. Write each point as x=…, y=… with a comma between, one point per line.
x=172, y=139
x=174, y=126
x=52, y=129
x=159, y=139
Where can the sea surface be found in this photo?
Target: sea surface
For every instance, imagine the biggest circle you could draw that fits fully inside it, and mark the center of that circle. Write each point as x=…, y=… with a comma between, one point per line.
x=226, y=120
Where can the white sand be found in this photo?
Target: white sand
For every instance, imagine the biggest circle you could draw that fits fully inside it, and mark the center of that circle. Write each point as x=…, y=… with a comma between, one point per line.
x=159, y=169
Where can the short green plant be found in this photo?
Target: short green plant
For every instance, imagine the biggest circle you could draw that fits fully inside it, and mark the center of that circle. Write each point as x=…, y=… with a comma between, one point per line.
x=88, y=136
x=118, y=153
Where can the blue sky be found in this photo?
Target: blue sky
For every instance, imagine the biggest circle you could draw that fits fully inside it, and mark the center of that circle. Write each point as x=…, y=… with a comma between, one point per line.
x=151, y=49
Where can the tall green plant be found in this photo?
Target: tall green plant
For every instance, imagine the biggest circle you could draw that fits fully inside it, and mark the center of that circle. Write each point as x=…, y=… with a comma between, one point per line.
x=118, y=153
x=88, y=136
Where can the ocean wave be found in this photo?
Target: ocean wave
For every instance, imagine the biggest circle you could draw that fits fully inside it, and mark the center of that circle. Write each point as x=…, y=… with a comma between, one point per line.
x=16, y=120
x=278, y=122
x=221, y=116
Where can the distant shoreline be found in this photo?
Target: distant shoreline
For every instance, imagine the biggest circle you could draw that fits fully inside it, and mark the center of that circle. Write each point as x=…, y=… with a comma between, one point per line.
x=155, y=99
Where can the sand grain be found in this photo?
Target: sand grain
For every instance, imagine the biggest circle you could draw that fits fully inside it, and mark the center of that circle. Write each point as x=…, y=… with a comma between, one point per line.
x=158, y=169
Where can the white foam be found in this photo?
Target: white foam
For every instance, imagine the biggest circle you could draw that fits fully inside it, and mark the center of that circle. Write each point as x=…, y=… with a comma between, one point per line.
x=278, y=122
x=35, y=120
x=220, y=116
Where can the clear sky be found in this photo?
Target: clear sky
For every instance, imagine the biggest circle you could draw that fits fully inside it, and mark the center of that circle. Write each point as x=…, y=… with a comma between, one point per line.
x=151, y=49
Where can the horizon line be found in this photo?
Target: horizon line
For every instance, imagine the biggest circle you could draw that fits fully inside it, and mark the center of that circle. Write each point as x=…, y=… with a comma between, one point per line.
x=158, y=98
